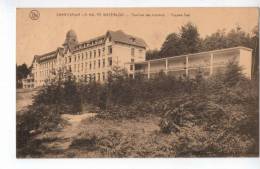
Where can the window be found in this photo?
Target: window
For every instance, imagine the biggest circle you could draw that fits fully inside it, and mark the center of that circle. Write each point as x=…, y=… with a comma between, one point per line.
x=90, y=66
x=132, y=60
x=86, y=77
x=82, y=67
x=132, y=39
x=86, y=55
x=109, y=49
x=94, y=66
x=82, y=57
x=78, y=57
x=131, y=67
x=94, y=53
x=75, y=58
x=78, y=67
x=99, y=52
x=110, y=61
x=86, y=66
x=103, y=50
x=103, y=76
x=98, y=77
x=98, y=63
x=109, y=38
x=132, y=51
x=90, y=54
x=94, y=77
x=69, y=59
x=69, y=68
x=104, y=62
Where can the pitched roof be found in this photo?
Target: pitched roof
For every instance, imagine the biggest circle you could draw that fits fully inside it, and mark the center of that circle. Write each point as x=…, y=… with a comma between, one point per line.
x=49, y=55
x=117, y=36
x=120, y=36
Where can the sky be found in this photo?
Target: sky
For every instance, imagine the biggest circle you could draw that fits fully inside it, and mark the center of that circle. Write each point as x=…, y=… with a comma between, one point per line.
x=48, y=31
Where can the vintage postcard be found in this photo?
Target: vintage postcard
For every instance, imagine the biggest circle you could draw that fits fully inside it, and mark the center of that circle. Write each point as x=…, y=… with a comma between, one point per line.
x=137, y=82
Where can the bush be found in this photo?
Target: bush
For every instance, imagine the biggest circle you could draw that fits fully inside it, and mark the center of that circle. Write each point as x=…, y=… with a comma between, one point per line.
x=44, y=115
x=37, y=119
x=216, y=119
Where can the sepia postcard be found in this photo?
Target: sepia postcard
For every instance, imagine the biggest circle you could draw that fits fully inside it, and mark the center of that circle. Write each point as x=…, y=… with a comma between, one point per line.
x=137, y=82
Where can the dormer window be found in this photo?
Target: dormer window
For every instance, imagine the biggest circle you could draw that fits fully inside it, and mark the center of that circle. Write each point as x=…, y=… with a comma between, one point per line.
x=132, y=39
x=109, y=38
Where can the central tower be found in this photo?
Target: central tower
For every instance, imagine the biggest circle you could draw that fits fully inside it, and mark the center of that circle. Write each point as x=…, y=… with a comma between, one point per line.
x=71, y=40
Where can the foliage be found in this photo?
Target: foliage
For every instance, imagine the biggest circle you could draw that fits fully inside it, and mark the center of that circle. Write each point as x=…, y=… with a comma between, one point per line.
x=214, y=120
x=172, y=46
x=55, y=98
x=21, y=72
x=152, y=54
x=188, y=40
x=202, y=117
x=37, y=119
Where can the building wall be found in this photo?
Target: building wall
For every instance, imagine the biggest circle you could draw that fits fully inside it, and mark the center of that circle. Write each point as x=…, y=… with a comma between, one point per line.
x=207, y=63
x=124, y=53
x=245, y=61
x=88, y=63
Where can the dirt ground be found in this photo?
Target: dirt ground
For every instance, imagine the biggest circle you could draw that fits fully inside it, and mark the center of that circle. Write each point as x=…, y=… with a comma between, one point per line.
x=80, y=125
x=24, y=98
x=58, y=143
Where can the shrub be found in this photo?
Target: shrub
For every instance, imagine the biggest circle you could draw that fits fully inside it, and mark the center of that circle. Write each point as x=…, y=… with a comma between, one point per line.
x=36, y=119
x=45, y=114
x=216, y=119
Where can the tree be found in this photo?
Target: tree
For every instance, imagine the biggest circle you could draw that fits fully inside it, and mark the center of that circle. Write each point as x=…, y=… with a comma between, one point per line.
x=171, y=46
x=152, y=54
x=216, y=40
x=190, y=39
x=235, y=37
x=21, y=72
x=187, y=41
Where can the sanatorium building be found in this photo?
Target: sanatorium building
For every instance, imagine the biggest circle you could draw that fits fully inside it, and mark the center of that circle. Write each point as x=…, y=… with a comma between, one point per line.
x=91, y=60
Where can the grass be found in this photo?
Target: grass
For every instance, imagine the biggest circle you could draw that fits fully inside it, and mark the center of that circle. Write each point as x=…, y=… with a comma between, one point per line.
x=115, y=138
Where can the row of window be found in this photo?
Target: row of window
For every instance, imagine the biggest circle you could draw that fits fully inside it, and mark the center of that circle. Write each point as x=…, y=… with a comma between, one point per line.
x=48, y=64
x=79, y=67
x=91, y=77
x=89, y=66
x=88, y=55
x=28, y=86
x=44, y=73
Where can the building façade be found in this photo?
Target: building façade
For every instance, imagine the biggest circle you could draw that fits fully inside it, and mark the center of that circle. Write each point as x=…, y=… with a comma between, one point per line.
x=91, y=59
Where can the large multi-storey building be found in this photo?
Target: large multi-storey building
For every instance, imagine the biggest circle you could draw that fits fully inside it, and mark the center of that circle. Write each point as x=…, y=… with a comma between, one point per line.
x=91, y=59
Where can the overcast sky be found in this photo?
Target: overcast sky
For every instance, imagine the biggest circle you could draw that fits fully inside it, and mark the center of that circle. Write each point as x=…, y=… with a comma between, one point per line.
x=48, y=32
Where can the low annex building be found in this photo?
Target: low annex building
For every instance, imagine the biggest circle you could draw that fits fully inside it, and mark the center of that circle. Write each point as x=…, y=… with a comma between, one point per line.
x=91, y=59
x=190, y=65
x=28, y=82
